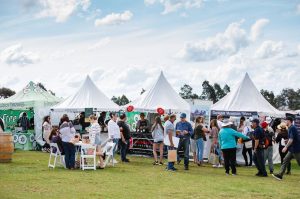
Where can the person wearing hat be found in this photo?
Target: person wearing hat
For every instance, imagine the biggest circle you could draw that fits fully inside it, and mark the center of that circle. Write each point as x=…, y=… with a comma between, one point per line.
x=142, y=125
x=282, y=139
x=292, y=146
x=268, y=151
x=184, y=131
x=258, y=155
x=227, y=141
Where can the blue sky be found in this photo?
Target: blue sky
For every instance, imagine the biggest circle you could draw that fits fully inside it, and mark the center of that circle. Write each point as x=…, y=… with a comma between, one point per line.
x=123, y=44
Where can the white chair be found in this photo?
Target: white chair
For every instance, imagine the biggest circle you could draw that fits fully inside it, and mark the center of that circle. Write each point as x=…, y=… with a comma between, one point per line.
x=109, y=151
x=55, y=152
x=88, y=151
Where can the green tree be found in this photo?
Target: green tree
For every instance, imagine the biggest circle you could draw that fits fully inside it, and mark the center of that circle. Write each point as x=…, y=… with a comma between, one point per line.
x=219, y=91
x=226, y=89
x=121, y=101
x=6, y=92
x=208, y=92
x=186, y=92
x=289, y=99
x=270, y=97
x=42, y=86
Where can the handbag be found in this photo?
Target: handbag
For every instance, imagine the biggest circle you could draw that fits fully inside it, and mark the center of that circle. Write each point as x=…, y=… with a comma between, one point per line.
x=172, y=155
x=248, y=145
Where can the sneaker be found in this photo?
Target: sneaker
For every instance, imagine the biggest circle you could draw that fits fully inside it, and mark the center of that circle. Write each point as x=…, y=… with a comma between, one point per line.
x=258, y=174
x=220, y=166
x=234, y=174
x=215, y=166
x=227, y=173
x=277, y=176
x=271, y=172
x=155, y=163
x=178, y=162
x=288, y=173
x=160, y=164
x=186, y=168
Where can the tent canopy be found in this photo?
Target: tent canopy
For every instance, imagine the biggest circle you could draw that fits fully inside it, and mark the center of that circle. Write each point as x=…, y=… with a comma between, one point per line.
x=88, y=96
x=31, y=96
x=246, y=97
x=161, y=95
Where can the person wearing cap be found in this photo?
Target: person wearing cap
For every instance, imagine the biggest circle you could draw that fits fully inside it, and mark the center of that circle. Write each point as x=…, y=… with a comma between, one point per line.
x=125, y=136
x=282, y=139
x=268, y=151
x=142, y=125
x=258, y=155
x=227, y=141
x=292, y=146
x=185, y=131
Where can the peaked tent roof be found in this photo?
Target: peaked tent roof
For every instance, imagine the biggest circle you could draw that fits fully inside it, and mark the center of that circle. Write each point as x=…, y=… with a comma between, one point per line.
x=246, y=97
x=161, y=95
x=88, y=96
x=30, y=96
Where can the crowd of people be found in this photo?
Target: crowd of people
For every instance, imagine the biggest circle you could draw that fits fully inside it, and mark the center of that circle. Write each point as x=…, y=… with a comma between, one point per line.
x=255, y=137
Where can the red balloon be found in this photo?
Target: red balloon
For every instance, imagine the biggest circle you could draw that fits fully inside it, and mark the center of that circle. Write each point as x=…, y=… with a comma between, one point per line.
x=160, y=111
x=130, y=108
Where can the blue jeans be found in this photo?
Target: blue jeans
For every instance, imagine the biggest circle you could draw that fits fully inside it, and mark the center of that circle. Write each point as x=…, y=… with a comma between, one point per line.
x=116, y=141
x=69, y=150
x=200, y=146
x=184, y=143
x=268, y=155
x=123, y=149
x=259, y=161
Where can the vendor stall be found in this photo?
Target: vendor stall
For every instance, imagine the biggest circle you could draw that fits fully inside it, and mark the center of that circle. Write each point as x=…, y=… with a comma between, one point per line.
x=28, y=100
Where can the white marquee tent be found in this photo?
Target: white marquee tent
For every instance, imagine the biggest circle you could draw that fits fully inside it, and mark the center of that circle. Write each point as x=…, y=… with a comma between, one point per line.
x=88, y=96
x=161, y=95
x=246, y=97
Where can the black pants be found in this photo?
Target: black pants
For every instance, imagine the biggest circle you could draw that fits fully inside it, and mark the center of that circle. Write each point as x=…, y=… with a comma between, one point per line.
x=184, y=144
x=259, y=161
x=230, y=159
x=123, y=149
x=249, y=151
x=282, y=155
x=69, y=150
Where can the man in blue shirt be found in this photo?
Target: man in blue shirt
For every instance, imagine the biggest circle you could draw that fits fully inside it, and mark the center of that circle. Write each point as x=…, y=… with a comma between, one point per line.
x=184, y=131
x=293, y=147
x=258, y=155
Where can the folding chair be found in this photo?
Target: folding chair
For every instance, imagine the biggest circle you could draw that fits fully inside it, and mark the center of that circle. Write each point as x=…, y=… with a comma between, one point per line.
x=88, y=151
x=54, y=147
x=109, y=150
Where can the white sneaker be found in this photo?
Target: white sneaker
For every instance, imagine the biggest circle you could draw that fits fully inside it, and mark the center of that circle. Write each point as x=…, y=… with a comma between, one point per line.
x=215, y=166
x=220, y=166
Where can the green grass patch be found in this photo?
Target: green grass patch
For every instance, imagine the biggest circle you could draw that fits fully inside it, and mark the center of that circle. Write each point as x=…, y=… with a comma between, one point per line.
x=29, y=177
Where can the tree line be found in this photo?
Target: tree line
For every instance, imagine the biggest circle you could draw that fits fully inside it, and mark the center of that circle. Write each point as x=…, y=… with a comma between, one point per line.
x=287, y=99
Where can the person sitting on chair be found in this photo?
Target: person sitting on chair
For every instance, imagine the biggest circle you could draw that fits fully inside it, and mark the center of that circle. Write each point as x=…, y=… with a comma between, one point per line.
x=142, y=125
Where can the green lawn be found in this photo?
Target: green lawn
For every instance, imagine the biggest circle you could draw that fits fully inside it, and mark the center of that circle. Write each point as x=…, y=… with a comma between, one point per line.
x=28, y=177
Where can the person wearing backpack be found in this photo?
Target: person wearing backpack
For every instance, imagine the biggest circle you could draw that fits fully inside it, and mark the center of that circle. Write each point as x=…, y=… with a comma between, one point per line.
x=268, y=151
x=258, y=155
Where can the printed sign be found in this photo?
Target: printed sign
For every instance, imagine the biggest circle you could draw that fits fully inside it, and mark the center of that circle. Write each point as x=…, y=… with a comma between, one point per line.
x=10, y=117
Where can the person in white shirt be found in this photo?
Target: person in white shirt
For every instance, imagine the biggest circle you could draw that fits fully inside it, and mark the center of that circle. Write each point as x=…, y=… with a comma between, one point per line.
x=47, y=128
x=114, y=132
x=219, y=121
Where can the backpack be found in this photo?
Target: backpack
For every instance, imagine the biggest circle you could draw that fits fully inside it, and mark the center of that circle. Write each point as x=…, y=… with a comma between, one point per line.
x=266, y=141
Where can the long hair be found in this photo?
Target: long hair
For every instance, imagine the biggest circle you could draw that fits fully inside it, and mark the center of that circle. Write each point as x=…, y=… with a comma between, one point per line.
x=214, y=123
x=157, y=122
x=46, y=119
x=53, y=133
x=199, y=120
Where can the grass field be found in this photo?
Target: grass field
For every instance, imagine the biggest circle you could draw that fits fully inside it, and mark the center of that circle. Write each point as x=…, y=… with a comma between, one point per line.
x=28, y=177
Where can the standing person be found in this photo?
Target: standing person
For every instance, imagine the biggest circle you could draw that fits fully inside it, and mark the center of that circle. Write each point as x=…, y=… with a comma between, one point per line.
x=200, y=137
x=215, y=140
x=46, y=129
x=95, y=138
x=268, y=151
x=282, y=139
x=158, y=137
x=241, y=125
x=247, y=147
x=227, y=140
x=101, y=120
x=67, y=132
x=185, y=132
x=258, y=156
x=24, y=122
x=169, y=131
x=125, y=136
x=142, y=125
x=219, y=120
x=114, y=130
x=293, y=148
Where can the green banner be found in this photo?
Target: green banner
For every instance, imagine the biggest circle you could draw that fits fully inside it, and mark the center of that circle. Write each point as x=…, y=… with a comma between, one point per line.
x=133, y=118
x=10, y=117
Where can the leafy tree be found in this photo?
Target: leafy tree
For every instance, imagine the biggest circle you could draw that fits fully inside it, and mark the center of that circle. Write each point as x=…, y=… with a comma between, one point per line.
x=6, y=92
x=186, y=92
x=269, y=96
x=289, y=98
x=220, y=93
x=123, y=100
x=44, y=88
x=208, y=92
x=226, y=89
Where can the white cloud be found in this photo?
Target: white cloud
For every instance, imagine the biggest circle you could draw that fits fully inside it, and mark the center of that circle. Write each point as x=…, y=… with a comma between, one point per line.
x=16, y=55
x=227, y=43
x=257, y=28
x=174, y=5
x=269, y=49
x=114, y=19
x=101, y=43
x=61, y=10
